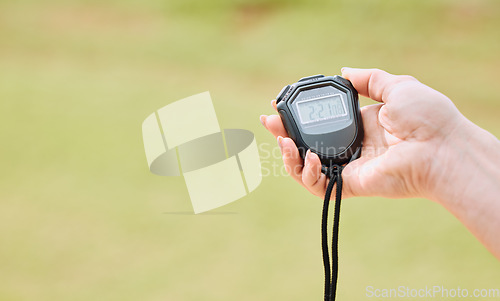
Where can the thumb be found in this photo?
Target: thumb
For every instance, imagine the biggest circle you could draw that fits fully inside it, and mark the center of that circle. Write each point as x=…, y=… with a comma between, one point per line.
x=374, y=83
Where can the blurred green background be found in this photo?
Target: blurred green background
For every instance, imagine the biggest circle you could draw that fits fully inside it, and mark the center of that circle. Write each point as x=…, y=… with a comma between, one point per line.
x=81, y=217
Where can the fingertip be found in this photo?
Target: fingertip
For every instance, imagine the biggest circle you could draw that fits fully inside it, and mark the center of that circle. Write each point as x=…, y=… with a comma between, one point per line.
x=369, y=82
x=279, y=139
x=312, y=156
x=345, y=71
x=263, y=119
x=274, y=105
x=307, y=154
x=307, y=160
x=275, y=126
x=284, y=146
x=289, y=150
x=287, y=142
x=312, y=170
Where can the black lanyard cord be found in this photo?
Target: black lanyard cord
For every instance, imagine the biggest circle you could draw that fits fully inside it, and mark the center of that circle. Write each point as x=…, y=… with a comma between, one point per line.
x=335, y=174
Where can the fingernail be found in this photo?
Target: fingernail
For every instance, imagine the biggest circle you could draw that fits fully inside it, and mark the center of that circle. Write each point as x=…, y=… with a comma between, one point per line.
x=263, y=119
x=344, y=69
x=308, y=152
x=280, y=142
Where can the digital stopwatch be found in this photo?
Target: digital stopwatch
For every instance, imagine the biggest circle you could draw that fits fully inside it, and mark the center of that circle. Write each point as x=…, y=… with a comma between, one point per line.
x=321, y=113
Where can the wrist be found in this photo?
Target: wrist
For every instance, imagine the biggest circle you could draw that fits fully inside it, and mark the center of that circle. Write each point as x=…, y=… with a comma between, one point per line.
x=465, y=159
x=466, y=181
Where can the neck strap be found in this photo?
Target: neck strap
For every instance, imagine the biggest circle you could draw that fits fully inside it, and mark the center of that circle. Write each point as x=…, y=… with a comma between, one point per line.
x=331, y=273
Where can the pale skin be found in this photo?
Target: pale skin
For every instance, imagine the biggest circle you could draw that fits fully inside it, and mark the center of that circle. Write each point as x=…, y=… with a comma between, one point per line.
x=416, y=144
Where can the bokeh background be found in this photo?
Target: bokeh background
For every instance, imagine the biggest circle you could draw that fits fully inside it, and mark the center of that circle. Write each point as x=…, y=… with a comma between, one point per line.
x=81, y=217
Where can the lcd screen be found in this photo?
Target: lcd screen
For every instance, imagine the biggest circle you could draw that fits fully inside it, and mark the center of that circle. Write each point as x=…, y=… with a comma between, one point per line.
x=321, y=108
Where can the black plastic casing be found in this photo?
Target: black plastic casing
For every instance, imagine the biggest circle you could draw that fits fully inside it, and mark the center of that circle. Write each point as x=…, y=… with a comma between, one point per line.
x=336, y=142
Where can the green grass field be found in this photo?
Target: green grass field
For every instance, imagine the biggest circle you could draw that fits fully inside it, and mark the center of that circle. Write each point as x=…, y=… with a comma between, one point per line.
x=82, y=218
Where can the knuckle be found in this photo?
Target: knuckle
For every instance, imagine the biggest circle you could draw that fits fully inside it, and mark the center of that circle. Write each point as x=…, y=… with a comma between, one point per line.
x=377, y=75
x=397, y=82
x=377, y=72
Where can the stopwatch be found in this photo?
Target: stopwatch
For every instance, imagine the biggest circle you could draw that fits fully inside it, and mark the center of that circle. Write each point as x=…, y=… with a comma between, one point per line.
x=322, y=113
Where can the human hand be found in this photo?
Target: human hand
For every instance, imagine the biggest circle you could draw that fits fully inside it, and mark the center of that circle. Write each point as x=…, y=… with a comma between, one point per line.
x=416, y=144
x=405, y=135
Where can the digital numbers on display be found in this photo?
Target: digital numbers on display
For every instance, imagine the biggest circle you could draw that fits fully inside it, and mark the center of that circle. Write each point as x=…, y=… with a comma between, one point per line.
x=321, y=108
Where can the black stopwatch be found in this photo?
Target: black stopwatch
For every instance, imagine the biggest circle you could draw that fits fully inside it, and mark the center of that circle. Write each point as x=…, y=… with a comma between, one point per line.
x=321, y=113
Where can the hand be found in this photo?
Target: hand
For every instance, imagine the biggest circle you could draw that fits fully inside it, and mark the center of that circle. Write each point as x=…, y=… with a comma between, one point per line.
x=403, y=135
x=416, y=144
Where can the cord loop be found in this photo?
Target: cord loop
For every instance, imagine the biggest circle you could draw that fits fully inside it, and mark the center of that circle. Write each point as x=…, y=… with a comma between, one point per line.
x=334, y=173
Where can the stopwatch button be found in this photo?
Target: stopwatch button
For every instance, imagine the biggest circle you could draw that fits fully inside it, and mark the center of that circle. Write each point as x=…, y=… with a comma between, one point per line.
x=307, y=78
x=343, y=81
x=282, y=93
x=285, y=118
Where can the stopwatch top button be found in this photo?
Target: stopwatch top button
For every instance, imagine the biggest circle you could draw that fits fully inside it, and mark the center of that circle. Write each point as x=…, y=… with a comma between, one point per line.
x=282, y=93
x=314, y=77
x=343, y=80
